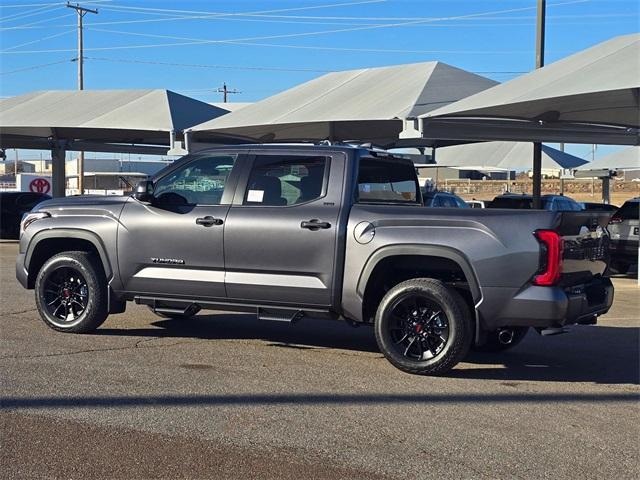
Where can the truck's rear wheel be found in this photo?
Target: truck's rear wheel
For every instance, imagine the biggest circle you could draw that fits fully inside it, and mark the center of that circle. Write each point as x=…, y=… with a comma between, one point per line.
x=71, y=293
x=423, y=327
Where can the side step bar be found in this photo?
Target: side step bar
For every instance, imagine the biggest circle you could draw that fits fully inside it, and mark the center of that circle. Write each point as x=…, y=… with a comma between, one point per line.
x=188, y=311
x=287, y=316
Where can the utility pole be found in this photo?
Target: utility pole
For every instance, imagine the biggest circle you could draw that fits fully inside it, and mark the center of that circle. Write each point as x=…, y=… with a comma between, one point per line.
x=225, y=91
x=81, y=11
x=537, y=146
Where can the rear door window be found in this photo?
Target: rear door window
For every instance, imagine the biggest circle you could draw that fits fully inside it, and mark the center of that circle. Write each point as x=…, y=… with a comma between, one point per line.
x=284, y=180
x=387, y=180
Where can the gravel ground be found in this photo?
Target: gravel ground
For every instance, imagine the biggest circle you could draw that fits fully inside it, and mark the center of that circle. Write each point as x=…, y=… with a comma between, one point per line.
x=227, y=396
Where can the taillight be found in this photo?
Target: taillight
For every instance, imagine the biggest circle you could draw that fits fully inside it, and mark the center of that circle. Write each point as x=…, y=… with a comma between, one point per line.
x=615, y=219
x=551, y=258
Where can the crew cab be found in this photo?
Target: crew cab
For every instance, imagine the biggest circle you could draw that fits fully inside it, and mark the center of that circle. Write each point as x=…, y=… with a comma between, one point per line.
x=335, y=232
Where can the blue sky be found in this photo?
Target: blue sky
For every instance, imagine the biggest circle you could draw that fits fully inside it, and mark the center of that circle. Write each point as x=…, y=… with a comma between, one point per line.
x=273, y=45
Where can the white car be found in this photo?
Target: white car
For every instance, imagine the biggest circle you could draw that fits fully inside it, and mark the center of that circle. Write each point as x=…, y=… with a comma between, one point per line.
x=475, y=203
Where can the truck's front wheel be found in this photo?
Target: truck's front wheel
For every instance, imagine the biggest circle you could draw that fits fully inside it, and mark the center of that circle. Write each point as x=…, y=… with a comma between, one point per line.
x=71, y=293
x=423, y=327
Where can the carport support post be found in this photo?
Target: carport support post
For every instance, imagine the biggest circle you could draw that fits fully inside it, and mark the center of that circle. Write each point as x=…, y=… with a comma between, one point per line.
x=606, y=198
x=537, y=175
x=537, y=147
x=58, y=164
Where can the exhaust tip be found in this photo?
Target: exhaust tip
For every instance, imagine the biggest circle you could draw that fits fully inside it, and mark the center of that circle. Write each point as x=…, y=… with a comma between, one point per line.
x=505, y=336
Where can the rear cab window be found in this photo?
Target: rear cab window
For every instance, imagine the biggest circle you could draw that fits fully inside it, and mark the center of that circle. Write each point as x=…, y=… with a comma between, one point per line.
x=387, y=180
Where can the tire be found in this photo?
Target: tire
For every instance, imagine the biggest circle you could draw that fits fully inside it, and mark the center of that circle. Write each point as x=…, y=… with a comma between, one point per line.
x=169, y=316
x=414, y=337
x=71, y=293
x=493, y=345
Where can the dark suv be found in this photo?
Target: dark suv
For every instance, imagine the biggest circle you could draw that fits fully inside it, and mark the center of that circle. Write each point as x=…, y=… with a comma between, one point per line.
x=436, y=198
x=13, y=205
x=558, y=203
x=623, y=227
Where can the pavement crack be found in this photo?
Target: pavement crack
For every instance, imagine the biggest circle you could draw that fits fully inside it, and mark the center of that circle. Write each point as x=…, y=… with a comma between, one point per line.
x=93, y=350
x=19, y=312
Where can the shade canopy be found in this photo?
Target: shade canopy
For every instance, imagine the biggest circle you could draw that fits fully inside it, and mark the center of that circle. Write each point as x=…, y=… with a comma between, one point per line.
x=590, y=97
x=503, y=156
x=365, y=105
x=626, y=159
x=99, y=117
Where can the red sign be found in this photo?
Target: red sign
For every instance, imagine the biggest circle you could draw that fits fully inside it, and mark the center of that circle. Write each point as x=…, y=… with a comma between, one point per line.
x=40, y=185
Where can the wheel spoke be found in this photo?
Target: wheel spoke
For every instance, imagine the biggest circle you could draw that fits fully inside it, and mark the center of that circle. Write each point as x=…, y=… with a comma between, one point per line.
x=404, y=337
x=53, y=301
x=409, y=346
x=420, y=348
x=54, y=313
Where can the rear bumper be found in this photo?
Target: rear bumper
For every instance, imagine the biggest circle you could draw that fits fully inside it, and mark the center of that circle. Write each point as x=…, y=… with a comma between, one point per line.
x=536, y=306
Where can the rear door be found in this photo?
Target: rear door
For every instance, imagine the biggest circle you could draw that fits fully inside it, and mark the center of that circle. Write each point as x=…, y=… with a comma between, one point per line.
x=281, y=232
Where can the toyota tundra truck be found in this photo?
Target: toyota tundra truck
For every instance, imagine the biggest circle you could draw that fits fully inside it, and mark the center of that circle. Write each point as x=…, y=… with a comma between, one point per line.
x=317, y=231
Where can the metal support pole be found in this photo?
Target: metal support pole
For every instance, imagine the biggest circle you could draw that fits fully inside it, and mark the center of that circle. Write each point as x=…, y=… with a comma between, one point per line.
x=537, y=147
x=537, y=175
x=58, y=176
x=606, y=185
x=81, y=13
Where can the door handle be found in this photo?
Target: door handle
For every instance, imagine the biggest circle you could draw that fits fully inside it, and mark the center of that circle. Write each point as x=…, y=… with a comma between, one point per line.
x=209, y=221
x=315, y=224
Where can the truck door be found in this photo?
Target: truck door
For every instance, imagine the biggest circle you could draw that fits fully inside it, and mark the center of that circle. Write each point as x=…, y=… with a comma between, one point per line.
x=281, y=231
x=173, y=245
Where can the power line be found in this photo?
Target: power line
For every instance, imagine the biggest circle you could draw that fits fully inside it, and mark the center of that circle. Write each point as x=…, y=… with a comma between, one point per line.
x=24, y=5
x=28, y=25
x=37, y=11
x=290, y=35
x=200, y=65
x=40, y=40
x=293, y=9
x=33, y=67
x=241, y=67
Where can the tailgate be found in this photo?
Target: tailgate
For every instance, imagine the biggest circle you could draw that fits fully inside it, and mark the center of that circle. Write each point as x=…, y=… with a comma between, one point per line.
x=586, y=245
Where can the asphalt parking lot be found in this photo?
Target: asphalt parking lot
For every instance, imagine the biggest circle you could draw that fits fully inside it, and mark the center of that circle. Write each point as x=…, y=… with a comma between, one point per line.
x=226, y=396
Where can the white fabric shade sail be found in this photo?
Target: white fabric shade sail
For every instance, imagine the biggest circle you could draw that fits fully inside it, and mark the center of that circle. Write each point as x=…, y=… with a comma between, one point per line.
x=626, y=159
x=590, y=97
x=99, y=117
x=365, y=105
x=503, y=156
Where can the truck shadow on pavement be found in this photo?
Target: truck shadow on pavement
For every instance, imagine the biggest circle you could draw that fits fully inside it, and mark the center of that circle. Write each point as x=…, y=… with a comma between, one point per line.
x=602, y=354
x=307, y=334
x=597, y=354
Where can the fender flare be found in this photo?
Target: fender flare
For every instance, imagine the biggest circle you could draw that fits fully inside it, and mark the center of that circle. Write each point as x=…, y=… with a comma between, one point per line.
x=421, y=250
x=70, y=233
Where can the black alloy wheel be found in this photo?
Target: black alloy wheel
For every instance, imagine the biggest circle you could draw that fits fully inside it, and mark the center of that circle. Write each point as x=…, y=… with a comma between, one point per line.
x=71, y=292
x=65, y=295
x=423, y=327
x=418, y=326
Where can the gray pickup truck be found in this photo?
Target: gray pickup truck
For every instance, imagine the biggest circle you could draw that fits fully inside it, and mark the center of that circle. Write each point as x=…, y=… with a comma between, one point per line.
x=332, y=232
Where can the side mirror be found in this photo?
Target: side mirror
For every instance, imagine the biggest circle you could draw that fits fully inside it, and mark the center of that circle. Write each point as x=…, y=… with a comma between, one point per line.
x=144, y=191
